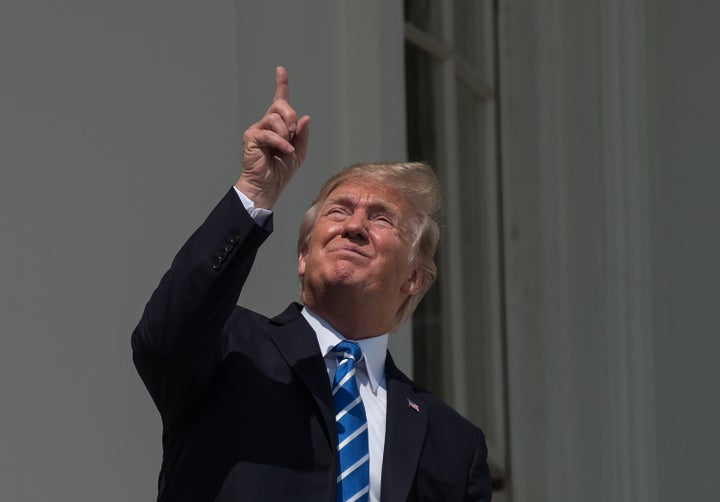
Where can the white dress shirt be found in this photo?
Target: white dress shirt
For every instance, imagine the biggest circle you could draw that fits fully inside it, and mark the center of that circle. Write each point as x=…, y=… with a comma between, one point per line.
x=370, y=376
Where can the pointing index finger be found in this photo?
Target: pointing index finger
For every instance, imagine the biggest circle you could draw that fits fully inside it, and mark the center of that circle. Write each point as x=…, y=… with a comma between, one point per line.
x=282, y=89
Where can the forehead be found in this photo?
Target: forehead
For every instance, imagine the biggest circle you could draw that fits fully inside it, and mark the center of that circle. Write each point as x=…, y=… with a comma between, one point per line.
x=369, y=191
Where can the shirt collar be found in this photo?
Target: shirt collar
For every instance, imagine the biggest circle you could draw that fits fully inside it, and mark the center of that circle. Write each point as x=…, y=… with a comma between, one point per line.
x=374, y=349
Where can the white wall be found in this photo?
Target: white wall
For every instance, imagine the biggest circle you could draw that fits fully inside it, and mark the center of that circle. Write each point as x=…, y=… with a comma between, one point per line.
x=552, y=170
x=121, y=126
x=610, y=167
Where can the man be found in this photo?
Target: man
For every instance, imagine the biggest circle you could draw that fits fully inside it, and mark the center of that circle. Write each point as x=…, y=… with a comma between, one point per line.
x=308, y=405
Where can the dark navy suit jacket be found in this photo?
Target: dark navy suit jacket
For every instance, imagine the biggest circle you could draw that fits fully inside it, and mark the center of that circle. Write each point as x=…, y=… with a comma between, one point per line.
x=245, y=400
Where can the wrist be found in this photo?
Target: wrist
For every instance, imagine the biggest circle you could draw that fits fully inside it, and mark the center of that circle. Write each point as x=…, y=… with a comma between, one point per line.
x=260, y=197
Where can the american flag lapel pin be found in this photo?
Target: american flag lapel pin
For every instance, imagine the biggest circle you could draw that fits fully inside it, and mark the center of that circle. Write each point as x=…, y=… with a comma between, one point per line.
x=412, y=404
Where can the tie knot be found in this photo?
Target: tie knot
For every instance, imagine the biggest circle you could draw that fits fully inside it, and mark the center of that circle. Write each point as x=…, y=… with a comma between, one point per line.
x=348, y=350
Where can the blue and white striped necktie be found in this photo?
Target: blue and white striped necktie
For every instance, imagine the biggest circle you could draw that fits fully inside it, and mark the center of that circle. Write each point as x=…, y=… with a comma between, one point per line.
x=353, y=481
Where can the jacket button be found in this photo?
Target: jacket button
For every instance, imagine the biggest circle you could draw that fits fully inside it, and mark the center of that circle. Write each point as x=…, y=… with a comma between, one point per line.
x=221, y=256
x=216, y=265
x=228, y=247
x=235, y=239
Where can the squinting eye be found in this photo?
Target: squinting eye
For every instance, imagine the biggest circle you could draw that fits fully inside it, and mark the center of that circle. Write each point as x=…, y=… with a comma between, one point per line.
x=385, y=220
x=335, y=212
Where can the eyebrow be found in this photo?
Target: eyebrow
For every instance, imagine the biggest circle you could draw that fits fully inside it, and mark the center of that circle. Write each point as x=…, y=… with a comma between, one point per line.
x=374, y=204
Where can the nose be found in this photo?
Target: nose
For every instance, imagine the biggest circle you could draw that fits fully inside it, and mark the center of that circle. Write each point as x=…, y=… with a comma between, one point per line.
x=355, y=226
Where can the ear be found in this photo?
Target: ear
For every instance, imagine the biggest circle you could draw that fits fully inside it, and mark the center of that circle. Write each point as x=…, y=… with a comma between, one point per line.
x=413, y=284
x=301, y=264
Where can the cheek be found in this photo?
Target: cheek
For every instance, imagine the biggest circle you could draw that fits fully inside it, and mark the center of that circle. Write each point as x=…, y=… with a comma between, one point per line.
x=392, y=246
x=322, y=234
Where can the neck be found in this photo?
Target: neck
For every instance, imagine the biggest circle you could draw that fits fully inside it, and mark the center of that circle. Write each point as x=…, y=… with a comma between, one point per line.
x=353, y=316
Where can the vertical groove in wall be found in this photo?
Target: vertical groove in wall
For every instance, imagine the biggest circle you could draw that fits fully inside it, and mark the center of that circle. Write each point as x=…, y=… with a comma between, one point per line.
x=625, y=166
x=503, y=483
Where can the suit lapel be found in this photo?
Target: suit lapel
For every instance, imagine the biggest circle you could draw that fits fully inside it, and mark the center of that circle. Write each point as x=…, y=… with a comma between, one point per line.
x=405, y=432
x=298, y=345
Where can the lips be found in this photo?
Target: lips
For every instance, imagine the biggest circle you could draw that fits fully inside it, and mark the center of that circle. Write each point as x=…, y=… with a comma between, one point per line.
x=350, y=250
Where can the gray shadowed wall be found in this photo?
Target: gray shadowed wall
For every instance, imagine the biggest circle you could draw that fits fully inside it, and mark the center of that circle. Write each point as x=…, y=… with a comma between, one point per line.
x=120, y=128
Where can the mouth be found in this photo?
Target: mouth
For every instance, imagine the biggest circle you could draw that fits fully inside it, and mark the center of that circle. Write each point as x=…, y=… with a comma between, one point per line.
x=351, y=251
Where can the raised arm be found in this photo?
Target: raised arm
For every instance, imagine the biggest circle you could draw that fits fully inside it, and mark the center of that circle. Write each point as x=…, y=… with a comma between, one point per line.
x=178, y=342
x=273, y=148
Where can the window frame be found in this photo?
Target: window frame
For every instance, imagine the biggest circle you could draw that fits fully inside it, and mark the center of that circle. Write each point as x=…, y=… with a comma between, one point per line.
x=457, y=369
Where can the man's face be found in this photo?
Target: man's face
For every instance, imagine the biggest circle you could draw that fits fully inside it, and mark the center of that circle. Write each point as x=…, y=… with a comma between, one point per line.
x=361, y=241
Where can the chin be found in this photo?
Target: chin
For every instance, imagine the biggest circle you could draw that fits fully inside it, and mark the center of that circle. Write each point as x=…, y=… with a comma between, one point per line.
x=343, y=270
x=339, y=280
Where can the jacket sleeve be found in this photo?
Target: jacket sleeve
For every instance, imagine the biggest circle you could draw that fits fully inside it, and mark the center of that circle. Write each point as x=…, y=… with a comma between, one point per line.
x=177, y=343
x=479, y=481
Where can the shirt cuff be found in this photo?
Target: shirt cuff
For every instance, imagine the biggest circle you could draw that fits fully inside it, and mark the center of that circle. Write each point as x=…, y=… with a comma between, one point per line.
x=259, y=214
